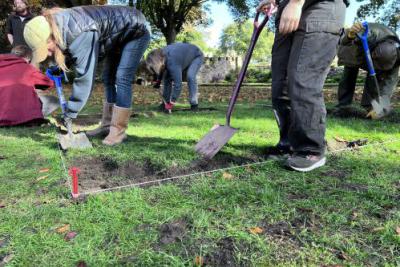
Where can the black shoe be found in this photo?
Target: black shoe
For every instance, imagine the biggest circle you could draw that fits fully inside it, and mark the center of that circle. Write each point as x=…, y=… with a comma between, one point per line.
x=305, y=163
x=278, y=152
x=194, y=107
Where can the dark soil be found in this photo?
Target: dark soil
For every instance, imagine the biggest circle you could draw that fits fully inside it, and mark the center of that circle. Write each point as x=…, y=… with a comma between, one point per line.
x=224, y=255
x=173, y=232
x=105, y=172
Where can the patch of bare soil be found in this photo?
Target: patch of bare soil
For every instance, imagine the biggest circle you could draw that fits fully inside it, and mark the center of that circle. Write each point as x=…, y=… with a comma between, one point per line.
x=104, y=172
x=173, y=232
x=224, y=254
x=287, y=238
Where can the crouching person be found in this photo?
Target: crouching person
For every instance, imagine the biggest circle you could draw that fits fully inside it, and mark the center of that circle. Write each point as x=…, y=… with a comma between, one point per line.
x=385, y=52
x=19, y=101
x=83, y=34
x=169, y=64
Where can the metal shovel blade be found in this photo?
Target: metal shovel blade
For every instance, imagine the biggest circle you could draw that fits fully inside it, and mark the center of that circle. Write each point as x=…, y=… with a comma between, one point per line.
x=210, y=144
x=377, y=108
x=74, y=141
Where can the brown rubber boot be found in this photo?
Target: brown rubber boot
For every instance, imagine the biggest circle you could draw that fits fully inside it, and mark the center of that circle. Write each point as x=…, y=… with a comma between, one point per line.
x=119, y=124
x=105, y=124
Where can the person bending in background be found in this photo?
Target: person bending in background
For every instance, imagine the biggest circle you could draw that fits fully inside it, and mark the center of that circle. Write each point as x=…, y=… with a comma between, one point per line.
x=385, y=52
x=82, y=34
x=169, y=64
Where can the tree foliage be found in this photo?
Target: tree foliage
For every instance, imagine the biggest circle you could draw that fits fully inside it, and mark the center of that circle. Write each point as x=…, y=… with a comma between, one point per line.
x=384, y=11
x=236, y=38
x=169, y=17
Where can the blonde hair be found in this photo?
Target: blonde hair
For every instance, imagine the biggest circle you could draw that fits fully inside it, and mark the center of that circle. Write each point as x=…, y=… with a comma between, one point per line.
x=59, y=56
x=156, y=61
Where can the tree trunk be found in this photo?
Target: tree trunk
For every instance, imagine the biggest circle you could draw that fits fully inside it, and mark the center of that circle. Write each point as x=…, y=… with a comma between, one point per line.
x=170, y=35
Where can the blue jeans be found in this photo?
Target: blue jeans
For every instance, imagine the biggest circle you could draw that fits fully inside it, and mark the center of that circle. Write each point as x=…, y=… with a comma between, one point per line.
x=120, y=70
x=192, y=71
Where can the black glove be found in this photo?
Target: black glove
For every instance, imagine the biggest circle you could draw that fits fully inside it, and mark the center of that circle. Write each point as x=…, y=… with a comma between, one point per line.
x=156, y=84
x=55, y=71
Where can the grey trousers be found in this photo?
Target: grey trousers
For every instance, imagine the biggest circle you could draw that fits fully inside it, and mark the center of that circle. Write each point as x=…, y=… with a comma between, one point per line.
x=300, y=64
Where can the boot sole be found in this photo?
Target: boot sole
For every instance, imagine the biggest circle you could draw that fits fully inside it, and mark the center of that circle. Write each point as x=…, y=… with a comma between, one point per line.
x=115, y=144
x=316, y=165
x=102, y=133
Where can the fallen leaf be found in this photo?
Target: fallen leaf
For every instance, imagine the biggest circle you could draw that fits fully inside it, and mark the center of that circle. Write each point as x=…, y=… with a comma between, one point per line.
x=81, y=264
x=41, y=178
x=378, y=229
x=227, y=176
x=398, y=230
x=199, y=261
x=339, y=139
x=256, y=230
x=69, y=236
x=63, y=229
x=44, y=170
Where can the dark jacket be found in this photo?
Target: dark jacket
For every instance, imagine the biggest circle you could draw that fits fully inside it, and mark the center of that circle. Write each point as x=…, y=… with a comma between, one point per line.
x=19, y=102
x=92, y=31
x=350, y=51
x=15, y=27
x=351, y=54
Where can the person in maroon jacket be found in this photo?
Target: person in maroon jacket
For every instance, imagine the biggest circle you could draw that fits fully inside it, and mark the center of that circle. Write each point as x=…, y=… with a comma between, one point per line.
x=19, y=102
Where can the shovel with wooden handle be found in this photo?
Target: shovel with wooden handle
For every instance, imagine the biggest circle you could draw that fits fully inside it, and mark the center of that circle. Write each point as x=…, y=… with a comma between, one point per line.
x=221, y=134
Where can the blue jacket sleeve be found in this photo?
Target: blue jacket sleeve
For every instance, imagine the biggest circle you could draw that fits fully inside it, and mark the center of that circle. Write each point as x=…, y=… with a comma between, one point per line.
x=84, y=51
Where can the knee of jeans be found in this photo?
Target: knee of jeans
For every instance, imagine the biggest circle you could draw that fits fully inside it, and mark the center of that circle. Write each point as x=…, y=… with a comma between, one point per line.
x=191, y=79
x=124, y=80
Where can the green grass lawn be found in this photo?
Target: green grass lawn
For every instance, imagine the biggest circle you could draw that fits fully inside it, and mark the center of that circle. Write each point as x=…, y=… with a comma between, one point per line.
x=346, y=213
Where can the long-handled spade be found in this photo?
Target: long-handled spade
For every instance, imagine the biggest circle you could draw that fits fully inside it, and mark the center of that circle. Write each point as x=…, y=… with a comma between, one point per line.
x=69, y=140
x=221, y=134
x=378, y=103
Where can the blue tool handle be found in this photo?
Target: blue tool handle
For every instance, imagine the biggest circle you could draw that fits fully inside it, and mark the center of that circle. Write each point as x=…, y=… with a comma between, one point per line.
x=57, y=81
x=364, y=42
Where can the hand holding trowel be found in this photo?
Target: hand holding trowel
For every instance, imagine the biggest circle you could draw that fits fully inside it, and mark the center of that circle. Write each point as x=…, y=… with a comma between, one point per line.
x=69, y=140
